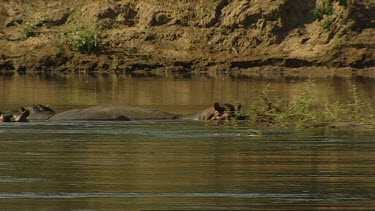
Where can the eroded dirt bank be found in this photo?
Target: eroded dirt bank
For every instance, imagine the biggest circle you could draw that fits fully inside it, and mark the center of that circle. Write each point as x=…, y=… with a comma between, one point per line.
x=169, y=35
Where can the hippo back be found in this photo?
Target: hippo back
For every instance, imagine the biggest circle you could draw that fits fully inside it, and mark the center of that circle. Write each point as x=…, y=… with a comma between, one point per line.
x=40, y=112
x=113, y=113
x=139, y=113
x=89, y=114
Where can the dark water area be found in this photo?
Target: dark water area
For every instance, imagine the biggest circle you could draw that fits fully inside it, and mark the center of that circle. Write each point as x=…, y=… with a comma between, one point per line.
x=179, y=165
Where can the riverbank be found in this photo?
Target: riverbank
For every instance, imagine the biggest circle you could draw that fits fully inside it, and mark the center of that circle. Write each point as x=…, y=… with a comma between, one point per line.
x=219, y=36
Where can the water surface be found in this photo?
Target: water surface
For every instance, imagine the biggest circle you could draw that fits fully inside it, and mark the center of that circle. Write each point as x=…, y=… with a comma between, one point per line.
x=178, y=165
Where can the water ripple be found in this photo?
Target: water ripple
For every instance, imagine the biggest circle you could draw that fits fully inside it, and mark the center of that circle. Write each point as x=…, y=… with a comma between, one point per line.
x=280, y=196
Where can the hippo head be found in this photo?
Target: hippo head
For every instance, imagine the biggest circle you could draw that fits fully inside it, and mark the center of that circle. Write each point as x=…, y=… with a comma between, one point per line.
x=40, y=112
x=21, y=116
x=5, y=118
x=15, y=116
x=224, y=112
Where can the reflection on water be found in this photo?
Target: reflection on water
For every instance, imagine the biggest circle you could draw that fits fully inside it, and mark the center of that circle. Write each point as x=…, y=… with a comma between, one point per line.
x=176, y=165
x=171, y=94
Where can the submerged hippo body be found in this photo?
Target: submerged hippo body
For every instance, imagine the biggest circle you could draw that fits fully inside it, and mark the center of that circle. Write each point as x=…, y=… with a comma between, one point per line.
x=113, y=113
x=15, y=116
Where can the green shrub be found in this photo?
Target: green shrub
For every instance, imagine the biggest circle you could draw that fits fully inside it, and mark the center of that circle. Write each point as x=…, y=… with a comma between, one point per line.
x=360, y=108
x=302, y=112
x=85, y=40
x=327, y=24
x=325, y=8
x=27, y=29
x=299, y=112
x=113, y=65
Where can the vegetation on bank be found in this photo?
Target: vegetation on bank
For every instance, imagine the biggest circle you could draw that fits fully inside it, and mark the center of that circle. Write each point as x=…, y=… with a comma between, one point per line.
x=27, y=28
x=301, y=111
x=326, y=8
x=325, y=11
x=84, y=40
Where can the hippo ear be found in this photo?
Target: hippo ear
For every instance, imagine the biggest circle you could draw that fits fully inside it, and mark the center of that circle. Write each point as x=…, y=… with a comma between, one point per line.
x=23, y=109
x=219, y=108
x=26, y=112
x=238, y=108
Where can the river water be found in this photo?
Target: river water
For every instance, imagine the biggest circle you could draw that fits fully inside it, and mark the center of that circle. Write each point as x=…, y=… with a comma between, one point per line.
x=178, y=165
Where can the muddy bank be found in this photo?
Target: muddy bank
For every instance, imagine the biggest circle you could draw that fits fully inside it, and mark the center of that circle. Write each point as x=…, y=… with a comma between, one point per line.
x=190, y=35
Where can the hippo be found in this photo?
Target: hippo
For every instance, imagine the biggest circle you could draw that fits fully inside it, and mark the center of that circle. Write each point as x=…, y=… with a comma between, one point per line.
x=127, y=113
x=15, y=116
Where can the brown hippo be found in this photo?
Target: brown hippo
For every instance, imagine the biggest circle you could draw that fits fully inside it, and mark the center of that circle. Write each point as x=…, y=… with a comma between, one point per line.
x=15, y=116
x=125, y=113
